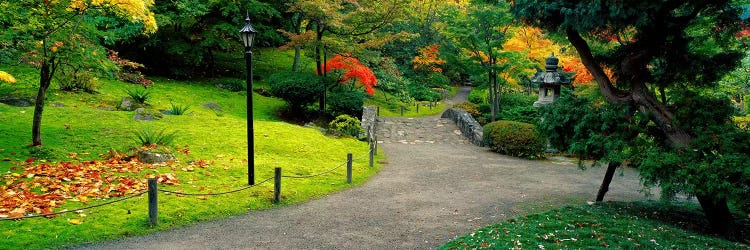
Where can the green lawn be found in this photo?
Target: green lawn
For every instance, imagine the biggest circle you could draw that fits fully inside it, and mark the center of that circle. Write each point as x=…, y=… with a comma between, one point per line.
x=83, y=124
x=391, y=107
x=620, y=225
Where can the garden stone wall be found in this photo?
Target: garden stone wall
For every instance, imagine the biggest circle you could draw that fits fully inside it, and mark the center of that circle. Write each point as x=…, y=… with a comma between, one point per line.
x=368, y=121
x=469, y=127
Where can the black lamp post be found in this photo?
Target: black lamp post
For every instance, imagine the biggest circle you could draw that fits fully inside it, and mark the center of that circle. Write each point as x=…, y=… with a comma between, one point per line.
x=248, y=37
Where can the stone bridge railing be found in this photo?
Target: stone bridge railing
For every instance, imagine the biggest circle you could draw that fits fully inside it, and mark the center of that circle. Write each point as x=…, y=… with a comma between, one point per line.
x=466, y=123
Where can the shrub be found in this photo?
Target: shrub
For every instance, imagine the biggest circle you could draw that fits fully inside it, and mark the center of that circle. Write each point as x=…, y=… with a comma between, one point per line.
x=345, y=101
x=345, y=125
x=470, y=108
x=527, y=114
x=437, y=80
x=742, y=122
x=231, y=84
x=78, y=81
x=139, y=95
x=508, y=100
x=297, y=89
x=478, y=96
x=514, y=139
x=129, y=70
x=149, y=138
x=422, y=93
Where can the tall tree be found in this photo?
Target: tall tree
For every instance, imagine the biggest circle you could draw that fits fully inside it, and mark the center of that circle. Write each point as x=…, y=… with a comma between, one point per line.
x=482, y=32
x=54, y=32
x=346, y=26
x=678, y=48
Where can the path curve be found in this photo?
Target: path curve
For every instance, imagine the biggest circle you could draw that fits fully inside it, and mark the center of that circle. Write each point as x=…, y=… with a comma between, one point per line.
x=425, y=195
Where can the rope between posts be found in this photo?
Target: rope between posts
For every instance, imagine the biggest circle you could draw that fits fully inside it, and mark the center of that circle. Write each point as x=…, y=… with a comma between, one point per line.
x=324, y=172
x=73, y=210
x=214, y=194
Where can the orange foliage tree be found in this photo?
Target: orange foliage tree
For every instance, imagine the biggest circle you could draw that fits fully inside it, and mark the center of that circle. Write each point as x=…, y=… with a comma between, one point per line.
x=536, y=46
x=428, y=59
x=353, y=69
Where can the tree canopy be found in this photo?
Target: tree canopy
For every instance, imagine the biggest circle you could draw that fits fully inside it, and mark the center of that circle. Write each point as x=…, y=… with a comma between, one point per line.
x=663, y=56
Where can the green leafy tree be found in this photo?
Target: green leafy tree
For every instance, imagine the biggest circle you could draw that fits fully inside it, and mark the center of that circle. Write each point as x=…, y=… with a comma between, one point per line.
x=344, y=26
x=194, y=36
x=676, y=50
x=56, y=34
x=480, y=33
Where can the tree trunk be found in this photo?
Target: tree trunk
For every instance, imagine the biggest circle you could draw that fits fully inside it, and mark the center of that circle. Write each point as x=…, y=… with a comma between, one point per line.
x=318, y=64
x=45, y=79
x=295, y=63
x=611, y=167
x=719, y=217
x=492, y=95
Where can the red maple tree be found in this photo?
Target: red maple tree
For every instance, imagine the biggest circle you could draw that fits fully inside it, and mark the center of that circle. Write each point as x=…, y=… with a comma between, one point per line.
x=352, y=69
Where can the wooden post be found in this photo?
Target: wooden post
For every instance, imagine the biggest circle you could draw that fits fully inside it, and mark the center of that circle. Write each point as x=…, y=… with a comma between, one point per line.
x=349, y=168
x=417, y=107
x=376, y=144
x=377, y=113
x=153, y=201
x=402, y=110
x=372, y=153
x=277, y=185
x=430, y=105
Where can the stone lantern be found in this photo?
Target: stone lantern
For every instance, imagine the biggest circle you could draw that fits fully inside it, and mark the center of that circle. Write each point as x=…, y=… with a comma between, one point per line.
x=549, y=82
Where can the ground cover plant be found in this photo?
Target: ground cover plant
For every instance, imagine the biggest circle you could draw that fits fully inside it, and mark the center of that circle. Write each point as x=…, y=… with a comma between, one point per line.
x=82, y=130
x=638, y=225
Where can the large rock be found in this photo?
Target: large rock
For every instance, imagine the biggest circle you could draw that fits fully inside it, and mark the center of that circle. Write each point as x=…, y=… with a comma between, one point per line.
x=17, y=101
x=466, y=123
x=153, y=157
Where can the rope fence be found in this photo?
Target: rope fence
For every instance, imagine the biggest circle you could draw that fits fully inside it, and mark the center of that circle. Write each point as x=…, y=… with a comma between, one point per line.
x=75, y=210
x=153, y=188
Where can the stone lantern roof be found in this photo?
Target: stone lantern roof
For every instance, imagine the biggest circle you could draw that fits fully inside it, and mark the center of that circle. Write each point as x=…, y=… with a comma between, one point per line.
x=551, y=76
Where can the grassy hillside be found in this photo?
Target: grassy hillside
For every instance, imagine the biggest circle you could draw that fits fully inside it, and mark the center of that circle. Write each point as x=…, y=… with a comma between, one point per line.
x=85, y=125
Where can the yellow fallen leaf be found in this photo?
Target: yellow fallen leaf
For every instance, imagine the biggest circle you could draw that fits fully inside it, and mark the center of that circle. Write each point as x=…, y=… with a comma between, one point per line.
x=75, y=221
x=201, y=197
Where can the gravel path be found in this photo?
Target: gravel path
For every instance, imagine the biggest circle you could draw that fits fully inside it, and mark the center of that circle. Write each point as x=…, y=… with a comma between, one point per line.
x=433, y=187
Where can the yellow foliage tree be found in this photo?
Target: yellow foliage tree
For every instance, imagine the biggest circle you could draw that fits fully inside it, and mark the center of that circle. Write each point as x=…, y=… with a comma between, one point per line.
x=5, y=77
x=54, y=27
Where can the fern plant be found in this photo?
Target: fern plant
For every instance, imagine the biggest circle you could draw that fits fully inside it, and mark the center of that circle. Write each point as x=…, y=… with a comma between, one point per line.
x=176, y=109
x=148, y=137
x=139, y=95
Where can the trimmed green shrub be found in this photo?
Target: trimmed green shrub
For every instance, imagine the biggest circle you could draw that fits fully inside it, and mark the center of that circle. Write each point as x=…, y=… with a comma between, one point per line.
x=479, y=96
x=345, y=101
x=437, y=80
x=297, y=89
x=514, y=138
x=78, y=81
x=470, y=108
x=345, y=125
x=509, y=100
x=527, y=114
x=231, y=84
x=422, y=93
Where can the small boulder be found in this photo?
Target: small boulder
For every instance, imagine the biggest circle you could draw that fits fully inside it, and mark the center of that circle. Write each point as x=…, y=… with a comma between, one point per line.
x=127, y=104
x=142, y=114
x=213, y=106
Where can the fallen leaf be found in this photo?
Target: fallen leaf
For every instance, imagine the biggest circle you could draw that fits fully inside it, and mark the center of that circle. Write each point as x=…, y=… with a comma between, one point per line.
x=201, y=197
x=75, y=221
